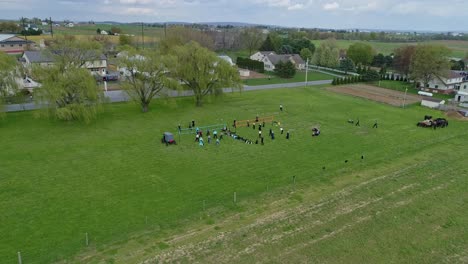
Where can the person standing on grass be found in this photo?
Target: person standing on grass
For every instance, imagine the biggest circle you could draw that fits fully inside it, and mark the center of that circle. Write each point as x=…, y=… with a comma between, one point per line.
x=259, y=127
x=209, y=139
x=272, y=135
x=215, y=134
x=253, y=125
x=217, y=142
x=200, y=142
x=281, y=129
x=260, y=133
x=375, y=124
x=193, y=123
x=357, y=123
x=261, y=138
x=287, y=135
x=271, y=132
x=281, y=107
x=248, y=124
x=197, y=137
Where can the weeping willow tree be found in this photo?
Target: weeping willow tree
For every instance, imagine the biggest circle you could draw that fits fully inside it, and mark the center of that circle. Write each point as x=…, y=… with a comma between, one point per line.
x=202, y=72
x=8, y=73
x=69, y=91
x=69, y=95
x=145, y=75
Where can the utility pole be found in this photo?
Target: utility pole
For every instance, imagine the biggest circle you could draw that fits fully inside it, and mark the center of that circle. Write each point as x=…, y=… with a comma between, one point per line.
x=404, y=99
x=24, y=28
x=142, y=37
x=50, y=24
x=307, y=69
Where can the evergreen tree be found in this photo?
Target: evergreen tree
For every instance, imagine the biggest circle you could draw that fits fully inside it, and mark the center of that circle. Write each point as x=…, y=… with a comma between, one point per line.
x=267, y=45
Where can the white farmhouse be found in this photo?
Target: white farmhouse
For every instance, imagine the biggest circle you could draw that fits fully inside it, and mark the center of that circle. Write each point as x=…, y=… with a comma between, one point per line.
x=270, y=59
x=445, y=85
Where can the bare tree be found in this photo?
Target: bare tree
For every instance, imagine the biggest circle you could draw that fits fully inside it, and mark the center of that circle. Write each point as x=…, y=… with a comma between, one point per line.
x=251, y=39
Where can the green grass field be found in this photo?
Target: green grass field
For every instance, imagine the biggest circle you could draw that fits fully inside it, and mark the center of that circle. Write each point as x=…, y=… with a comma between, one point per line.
x=114, y=180
x=459, y=48
x=298, y=77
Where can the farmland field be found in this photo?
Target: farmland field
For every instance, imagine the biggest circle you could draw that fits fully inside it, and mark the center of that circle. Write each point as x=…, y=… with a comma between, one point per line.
x=298, y=77
x=399, y=197
x=458, y=47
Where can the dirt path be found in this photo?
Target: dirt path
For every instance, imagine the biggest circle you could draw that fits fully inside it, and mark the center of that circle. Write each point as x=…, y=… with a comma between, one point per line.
x=377, y=94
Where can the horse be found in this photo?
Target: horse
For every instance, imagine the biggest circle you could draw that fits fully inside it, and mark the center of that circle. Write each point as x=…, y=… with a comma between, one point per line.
x=440, y=122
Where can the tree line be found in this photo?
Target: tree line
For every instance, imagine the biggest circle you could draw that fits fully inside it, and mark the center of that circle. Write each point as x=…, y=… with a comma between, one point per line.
x=70, y=92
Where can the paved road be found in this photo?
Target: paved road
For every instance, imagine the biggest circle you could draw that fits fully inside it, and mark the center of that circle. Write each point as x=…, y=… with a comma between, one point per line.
x=121, y=96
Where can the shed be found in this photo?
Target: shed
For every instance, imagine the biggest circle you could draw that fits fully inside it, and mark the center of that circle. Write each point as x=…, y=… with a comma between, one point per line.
x=432, y=102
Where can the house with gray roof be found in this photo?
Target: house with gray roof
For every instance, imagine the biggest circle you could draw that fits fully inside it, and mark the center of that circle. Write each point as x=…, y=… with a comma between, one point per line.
x=270, y=59
x=97, y=63
x=12, y=44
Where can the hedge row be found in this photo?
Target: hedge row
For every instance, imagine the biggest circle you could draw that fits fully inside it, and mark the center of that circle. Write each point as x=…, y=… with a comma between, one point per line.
x=253, y=65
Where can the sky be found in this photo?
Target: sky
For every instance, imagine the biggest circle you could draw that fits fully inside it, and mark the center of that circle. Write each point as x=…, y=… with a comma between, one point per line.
x=431, y=15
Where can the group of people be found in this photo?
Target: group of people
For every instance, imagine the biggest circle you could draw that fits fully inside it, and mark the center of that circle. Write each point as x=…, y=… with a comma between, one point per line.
x=199, y=137
x=351, y=121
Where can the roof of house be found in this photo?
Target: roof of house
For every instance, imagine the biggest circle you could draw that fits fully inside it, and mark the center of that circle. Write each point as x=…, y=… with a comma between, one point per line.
x=37, y=56
x=455, y=74
x=4, y=37
x=275, y=59
x=432, y=99
x=266, y=53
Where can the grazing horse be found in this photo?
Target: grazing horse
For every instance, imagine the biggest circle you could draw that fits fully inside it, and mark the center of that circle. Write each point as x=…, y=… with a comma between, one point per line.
x=440, y=122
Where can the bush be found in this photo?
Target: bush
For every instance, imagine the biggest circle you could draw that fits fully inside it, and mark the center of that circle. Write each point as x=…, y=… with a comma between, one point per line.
x=285, y=70
x=371, y=76
x=253, y=65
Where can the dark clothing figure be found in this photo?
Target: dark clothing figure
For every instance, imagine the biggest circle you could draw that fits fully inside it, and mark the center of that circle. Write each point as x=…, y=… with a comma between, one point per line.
x=375, y=125
x=272, y=135
x=256, y=141
x=208, y=132
x=261, y=140
x=234, y=123
x=357, y=123
x=271, y=132
x=248, y=124
x=282, y=130
x=179, y=127
x=287, y=135
x=220, y=137
x=259, y=127
x=281, y=108
x=193, y=123
x=253, y=126
x=263, y=124
x=256, y=119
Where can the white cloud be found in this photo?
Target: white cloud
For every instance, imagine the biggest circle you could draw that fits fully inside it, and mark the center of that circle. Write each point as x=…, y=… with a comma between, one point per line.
x=142, y=2
x=331, y=6
x=296, y=7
